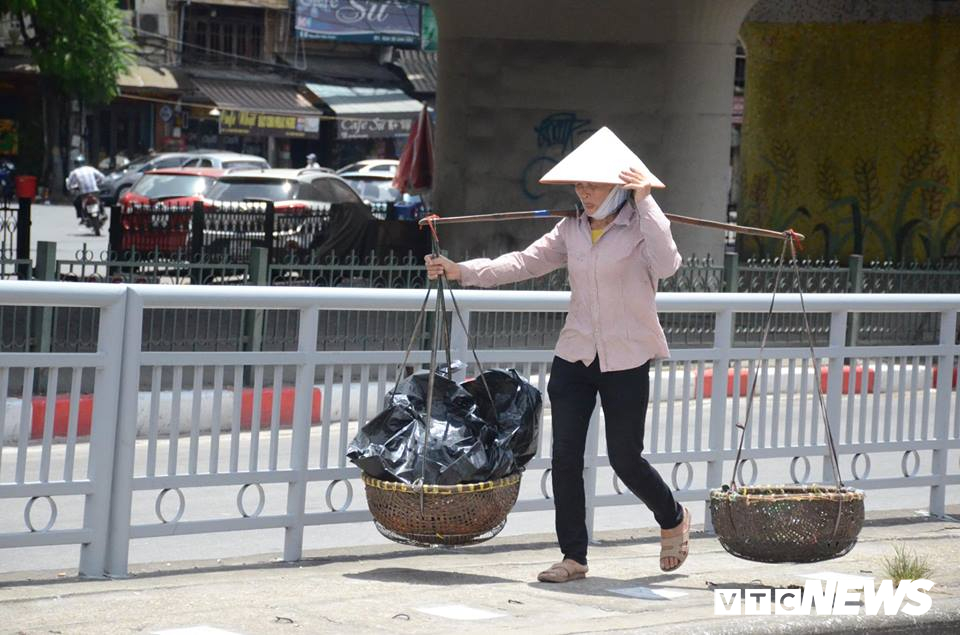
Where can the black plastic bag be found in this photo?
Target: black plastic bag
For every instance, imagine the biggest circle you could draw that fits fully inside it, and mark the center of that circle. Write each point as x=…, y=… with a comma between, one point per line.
x=515, y=411
x=470, y=439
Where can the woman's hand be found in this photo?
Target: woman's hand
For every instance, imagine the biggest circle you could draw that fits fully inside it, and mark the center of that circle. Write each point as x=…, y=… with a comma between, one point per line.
x=635, y=180
x=441, y=265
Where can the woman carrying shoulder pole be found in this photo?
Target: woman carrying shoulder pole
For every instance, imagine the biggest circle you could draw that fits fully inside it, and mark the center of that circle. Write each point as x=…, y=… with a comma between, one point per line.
x=615, y=252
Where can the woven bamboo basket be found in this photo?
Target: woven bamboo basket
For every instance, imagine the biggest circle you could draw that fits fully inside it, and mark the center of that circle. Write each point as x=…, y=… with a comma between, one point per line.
x=787, y=523
x=453, y=515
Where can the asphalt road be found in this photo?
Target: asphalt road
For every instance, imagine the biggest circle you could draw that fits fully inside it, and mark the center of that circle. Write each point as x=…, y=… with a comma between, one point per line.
x=58, y=223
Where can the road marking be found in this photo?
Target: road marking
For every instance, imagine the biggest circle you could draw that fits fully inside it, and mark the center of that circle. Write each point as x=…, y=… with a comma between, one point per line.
x=460, y=612
x=647, y=593
x=195, y=630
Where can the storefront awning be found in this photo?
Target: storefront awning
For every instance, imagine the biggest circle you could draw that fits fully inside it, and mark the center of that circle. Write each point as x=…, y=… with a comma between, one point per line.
x=149, y=78
x=366, y=113
x=261, y=108
x=279, y=5
x=420, y=67
x=353, y=71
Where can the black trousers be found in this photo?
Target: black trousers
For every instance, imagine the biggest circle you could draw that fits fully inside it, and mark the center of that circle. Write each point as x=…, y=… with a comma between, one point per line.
x=624, y=394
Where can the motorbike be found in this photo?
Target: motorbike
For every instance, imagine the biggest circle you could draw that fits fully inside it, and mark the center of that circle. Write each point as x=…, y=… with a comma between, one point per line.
x=7, y=187
x=93, y=215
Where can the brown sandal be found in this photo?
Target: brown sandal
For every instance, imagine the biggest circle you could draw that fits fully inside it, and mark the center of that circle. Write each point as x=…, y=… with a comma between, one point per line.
x=564, y=572
x=676, y=546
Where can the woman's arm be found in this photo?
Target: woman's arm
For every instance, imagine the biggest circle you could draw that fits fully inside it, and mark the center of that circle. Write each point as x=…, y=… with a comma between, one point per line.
x=546, y=254
x=659, y=249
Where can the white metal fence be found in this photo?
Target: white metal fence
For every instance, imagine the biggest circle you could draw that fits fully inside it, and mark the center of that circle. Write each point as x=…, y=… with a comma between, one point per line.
x=273, y=430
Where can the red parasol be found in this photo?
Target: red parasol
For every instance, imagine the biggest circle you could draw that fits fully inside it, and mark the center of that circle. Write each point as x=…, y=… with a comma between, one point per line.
x=415, y=172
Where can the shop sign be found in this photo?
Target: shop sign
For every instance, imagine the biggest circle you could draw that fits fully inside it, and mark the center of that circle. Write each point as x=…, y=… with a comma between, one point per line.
x=428, y=30
x=373, y=127
x=267, y=125
x=364, y=21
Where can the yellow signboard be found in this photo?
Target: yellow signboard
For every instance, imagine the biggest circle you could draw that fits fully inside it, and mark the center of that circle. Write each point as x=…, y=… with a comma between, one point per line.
x=267, y=124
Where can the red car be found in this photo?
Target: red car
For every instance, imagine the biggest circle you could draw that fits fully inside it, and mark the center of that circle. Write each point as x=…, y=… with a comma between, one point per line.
x=155, y=231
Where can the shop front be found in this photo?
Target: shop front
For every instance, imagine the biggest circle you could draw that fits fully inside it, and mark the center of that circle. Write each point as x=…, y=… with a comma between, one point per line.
x=271, y=120
x=365, y=123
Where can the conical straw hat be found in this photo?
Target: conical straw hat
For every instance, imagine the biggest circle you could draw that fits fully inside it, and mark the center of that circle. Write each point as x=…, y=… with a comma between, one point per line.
x=599, y=159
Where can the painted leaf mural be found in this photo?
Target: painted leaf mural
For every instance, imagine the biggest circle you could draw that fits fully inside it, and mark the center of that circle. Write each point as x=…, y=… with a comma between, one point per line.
x=851, y=134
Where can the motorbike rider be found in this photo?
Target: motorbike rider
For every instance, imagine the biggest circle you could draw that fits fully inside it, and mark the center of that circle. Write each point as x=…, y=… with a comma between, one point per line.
x=83, y=180
x=312, y=161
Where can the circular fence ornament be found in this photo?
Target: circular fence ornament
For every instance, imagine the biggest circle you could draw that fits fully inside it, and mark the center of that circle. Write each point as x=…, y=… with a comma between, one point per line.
x=260, y=501
x=158, y=507
x=916, y=463
x=806, y=470
x=753, y=472
x=616, y=484
x=855, y=463
x=328, y=496
x=546, y=481
x=28, y=512
x=689, y=480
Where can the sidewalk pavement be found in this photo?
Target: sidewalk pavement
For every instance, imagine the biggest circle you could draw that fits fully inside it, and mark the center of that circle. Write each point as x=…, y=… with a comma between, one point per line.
x=482, y=589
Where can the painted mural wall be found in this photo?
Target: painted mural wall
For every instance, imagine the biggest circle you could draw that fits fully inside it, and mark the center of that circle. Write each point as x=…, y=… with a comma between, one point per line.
x=851, y=135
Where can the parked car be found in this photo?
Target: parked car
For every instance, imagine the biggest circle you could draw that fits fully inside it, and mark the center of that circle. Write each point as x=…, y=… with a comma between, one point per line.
x=297, y=231
x=163, y=232
x=227, y=161
x=377, y=190
x=384, y=168
x=120, y=181
x=373, y=189
x=287, y=188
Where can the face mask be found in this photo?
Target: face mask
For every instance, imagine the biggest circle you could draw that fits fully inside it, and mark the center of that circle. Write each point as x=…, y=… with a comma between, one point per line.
x=614, y=201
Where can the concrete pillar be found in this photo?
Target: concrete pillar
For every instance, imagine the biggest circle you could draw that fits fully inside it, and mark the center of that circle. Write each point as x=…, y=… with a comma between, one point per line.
x=522, y=82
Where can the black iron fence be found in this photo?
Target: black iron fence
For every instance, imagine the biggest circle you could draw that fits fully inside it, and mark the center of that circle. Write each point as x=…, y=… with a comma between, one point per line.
x=220, y=232
x=15, y=263
x=226, y=244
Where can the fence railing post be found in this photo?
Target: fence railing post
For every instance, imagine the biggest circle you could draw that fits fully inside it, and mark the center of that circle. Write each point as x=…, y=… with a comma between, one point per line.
x=259, y=268
x=731, y=271
x=197, y=227
x=115, y=237
x=838, y=335
x=302, y=419
x=941, y=417
x=113, y=441
x=45, y=269
x=23, y=238
x=268, y=225
x=722, y=344
x=854, y=285
x=592, y=457
x=460, y=343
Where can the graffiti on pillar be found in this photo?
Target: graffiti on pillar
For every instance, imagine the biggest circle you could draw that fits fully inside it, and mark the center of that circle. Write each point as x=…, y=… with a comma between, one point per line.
x=556, y=134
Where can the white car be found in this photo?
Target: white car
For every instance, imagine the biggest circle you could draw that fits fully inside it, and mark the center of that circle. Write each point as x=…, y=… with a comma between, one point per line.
x=226, y=161
x=371, y=168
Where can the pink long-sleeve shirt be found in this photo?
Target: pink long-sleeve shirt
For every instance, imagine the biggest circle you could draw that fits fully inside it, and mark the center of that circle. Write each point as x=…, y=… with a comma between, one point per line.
x=613, y=283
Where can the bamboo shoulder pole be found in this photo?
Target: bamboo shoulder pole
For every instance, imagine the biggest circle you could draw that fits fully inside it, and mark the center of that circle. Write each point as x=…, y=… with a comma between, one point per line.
x=555, y=213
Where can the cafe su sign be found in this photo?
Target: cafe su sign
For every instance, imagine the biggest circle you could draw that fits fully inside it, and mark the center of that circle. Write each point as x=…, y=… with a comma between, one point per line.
x=358, y=11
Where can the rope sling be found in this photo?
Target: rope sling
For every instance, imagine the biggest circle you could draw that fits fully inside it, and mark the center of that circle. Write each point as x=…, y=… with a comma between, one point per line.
x=425, y=515
x=787, y=523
